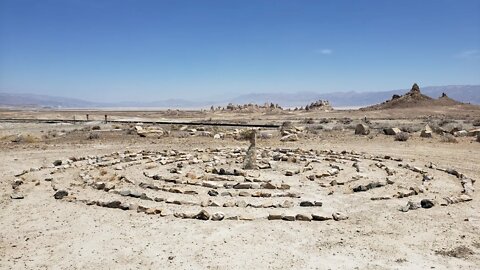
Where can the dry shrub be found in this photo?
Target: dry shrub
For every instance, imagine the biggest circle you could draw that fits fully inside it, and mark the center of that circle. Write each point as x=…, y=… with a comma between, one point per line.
x=402, y=137
x=93, y=136
x=308, y=121
x=449, y=138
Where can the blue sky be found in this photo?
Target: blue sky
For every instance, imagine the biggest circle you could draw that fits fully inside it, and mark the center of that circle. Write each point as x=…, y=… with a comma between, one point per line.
x=126, y=50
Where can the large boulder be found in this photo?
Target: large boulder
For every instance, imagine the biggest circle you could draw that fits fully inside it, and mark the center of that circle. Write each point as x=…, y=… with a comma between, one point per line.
x=426, y=132
x=362, y=129
x=392, y=131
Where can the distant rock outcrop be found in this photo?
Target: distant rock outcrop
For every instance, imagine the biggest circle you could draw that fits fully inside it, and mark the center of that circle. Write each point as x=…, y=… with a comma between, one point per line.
x=323, y=105
x=413, y=98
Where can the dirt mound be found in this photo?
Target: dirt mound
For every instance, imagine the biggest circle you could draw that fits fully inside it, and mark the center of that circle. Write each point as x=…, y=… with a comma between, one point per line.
x=414, y=98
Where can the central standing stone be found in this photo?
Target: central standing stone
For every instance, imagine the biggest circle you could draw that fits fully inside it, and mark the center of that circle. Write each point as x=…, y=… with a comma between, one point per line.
x=250, y=162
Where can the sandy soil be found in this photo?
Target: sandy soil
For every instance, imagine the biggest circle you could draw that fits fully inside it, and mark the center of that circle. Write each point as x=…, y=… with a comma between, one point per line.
x=40, y=232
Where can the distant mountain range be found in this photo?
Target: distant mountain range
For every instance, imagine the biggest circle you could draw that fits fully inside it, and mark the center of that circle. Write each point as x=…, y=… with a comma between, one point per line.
x=463, y=93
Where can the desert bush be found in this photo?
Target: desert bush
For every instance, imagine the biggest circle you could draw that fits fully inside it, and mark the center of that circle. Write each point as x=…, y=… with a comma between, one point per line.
x=308, y=121
x=449, y=138
x=346, y=120
x=93, y=136
x=402, y=137
x=96, y=128
x=324, y=121
x=286, y=125
x=476, y=123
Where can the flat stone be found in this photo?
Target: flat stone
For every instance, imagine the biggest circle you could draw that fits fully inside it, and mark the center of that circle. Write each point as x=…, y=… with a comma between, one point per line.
x=275, y=217
x=303, y=217
x=318, y=217
x=288, y=218
x=337, y=216
x=218, y=216
x=60, y=194
x=16, y=196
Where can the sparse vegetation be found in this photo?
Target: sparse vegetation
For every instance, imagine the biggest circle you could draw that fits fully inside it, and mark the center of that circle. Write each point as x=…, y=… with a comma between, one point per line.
x=449, y=138
x=93, y=136
x=402, y=137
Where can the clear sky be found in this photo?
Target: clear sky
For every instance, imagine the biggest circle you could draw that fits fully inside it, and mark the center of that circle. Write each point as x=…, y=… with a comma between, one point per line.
x=129, y=50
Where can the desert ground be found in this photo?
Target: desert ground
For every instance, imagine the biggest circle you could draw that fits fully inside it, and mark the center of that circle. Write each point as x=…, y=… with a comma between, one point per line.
x=118, y=195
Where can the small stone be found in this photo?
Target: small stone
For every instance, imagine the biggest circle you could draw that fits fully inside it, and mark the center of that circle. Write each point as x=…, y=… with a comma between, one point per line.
x=337, y=216
x=60, y=194
x=303, y=217
x=202, y=215
x=288, y=218
x=16, y=196
x=57, y=162
x=307, y=204
x=213, y=193
x=241, y=204
x=218, y=216
x=320, y=217
x=287, y=204
x=275, y=216
x=99, y=185
x=426, y=203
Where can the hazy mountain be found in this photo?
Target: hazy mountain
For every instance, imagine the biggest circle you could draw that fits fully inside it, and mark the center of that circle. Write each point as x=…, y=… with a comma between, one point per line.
x=463, y=93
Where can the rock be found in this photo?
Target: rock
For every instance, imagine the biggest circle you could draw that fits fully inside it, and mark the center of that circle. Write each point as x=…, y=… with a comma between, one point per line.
x=288, y=218
x=287, y=204
x=124, y=192
x=60, y=194
x=461, y=133
x=16, y=196
x=268, y=185
x=218, y=216
x=217, y=136
x=289, y=138
x=459, y=199
x=362, y=129
x=243, y=186
x=426, y=132
x=99, y=185
x=392, y=131
x=136, y=194
x=213, y=192
x=57, y=162
x=426, y=203
x=320, y=217
x=241, y=204
x=337, y=216
x=202, y=215
x=153, y=211
x=289, y=173
x=112, y=204
x=275, y=217
x=410, y=206
x=109, y=186
x=303, y=217
x=307, y=204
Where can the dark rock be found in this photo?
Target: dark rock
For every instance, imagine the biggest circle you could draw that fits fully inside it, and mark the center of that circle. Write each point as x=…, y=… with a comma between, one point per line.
x=426, y=203
x=202, y=215
x=60, y=194
x=303, y=217
x=320, y=217
x=57, y=162
x=307, y=204
x=213, y=193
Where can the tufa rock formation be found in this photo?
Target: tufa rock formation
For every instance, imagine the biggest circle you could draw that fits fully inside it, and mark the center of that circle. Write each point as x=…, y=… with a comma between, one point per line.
x=413, y=98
